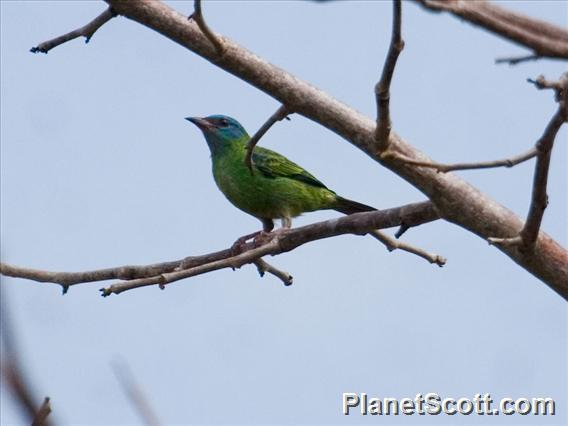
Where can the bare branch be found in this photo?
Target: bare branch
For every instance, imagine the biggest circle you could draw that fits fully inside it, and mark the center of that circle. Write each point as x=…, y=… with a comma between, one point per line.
x=44, y=410
x=507, y=162
x=361, y=223
x=382, y=88
x=514, y=60
x=455, y=199
x=282, y=241
x=86, y=31
x=197, y=16
x=264, y=267
x=558, y=86
x=13, y=374
x=539, y=201
x=543, y=38
x=280, y=114
x=135, y=393
x=393, y=244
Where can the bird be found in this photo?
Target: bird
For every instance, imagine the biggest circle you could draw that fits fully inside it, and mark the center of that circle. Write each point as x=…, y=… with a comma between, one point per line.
x=275, y=188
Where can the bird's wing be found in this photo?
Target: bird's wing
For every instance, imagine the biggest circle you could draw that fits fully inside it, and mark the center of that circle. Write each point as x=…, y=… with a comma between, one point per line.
x=272, y=165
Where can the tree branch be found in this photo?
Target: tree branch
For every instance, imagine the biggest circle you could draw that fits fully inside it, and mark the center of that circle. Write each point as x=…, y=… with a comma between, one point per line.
x=382, y=88
x=393, y=245
x=86, y=31
x=514, y=60
x=264, y=267
x=44, y=410
x=526, y=239
x=135, y=393
x=197, y=16
x=280, y=114
x=543, y=38
x=455, y=199
x=161, y=273
x=439, y=167
x=13, y=374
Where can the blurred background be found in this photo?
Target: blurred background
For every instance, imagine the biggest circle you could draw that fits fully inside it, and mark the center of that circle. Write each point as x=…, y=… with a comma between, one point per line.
x=99, y=169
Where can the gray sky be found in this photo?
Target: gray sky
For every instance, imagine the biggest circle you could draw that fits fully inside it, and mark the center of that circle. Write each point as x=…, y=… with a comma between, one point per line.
x=99, y=169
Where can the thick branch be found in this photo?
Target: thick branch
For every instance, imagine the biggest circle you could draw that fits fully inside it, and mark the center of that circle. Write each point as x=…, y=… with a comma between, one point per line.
x=361, y=223
x=86, y=31
x=382, y=88
x=280, y=114
x=543, y=38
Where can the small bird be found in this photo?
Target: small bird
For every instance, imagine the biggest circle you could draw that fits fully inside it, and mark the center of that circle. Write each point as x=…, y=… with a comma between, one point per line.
x=276, y=188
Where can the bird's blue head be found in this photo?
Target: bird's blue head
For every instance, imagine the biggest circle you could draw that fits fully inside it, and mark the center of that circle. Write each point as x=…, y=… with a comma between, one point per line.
x=220, y=131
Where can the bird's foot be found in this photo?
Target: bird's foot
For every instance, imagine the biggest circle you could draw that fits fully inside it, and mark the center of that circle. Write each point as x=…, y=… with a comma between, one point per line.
x=264, y=237
x=239, y=245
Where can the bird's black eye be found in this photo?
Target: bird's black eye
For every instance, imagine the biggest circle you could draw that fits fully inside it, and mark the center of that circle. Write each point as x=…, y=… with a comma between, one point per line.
x=223, y=122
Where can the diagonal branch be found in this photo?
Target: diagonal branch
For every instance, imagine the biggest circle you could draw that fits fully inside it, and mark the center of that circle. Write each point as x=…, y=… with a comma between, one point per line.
x=135, y=393
x=44, y=410
x=543, y=38
x=411, y=214
x=392, y=245
x=539, y=201
x=197, y=16
x=86, y=31
x=13, y=374
x=264, y=267
x=382, y=88
x=280, y=114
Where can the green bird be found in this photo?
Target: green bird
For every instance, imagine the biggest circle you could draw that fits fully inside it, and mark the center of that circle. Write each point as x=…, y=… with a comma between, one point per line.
x=276, y=188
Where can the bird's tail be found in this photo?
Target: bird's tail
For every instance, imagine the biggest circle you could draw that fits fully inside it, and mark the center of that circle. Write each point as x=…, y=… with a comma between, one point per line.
x=345, y=206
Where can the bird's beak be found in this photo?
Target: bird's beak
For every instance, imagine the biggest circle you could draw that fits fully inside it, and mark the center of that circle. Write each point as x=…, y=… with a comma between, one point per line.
x=202, y=123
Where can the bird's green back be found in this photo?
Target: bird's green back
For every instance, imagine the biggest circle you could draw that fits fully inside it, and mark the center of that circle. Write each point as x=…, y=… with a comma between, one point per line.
x=276, y=188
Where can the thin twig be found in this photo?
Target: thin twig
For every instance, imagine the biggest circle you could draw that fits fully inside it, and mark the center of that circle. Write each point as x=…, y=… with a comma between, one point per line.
x=382, y=88
x=392, y=244
x=281, y=113
x=514, y=60
x=86, y=31
x=443, y=168
x=263, y=266
x=135, y=393
x=197, y=16
x=527, y=237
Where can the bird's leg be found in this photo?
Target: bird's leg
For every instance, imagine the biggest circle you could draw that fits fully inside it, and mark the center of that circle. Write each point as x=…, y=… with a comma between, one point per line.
x=286, y=222
x=268, y=233
x=267, y=226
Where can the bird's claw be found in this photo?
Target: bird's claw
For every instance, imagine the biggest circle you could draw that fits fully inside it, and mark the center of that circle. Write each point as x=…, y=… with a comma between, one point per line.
x=239, y=245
